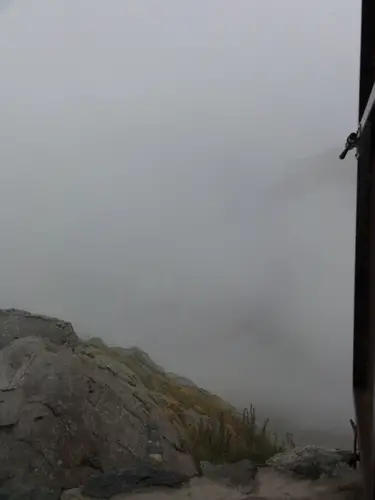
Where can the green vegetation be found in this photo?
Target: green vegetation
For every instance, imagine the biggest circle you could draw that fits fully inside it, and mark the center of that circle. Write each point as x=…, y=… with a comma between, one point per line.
x=218, y=441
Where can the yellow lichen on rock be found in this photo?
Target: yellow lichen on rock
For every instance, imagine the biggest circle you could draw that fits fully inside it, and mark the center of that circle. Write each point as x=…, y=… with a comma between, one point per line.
x=209, y=428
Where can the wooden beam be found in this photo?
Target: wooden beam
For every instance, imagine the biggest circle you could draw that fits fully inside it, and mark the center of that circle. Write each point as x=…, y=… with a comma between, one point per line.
x=364, y=296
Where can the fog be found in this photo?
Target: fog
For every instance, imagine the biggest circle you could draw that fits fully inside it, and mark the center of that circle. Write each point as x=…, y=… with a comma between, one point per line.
x=170, y=179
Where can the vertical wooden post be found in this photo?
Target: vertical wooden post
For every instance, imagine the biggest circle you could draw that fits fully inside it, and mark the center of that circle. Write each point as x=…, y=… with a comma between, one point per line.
x=364, y=297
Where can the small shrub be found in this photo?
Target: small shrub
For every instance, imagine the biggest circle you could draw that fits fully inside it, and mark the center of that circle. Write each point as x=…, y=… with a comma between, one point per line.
x=230, y=438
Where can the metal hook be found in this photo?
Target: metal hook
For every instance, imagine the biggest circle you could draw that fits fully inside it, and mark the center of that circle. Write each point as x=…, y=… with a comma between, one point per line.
x=351, y=143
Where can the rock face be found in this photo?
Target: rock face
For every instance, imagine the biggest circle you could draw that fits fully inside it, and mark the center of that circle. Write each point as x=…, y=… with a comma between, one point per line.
x=15, y=324
x=69, y=417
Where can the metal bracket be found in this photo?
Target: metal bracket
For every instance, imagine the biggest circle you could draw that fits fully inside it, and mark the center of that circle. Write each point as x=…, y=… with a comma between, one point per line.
x=351, y=143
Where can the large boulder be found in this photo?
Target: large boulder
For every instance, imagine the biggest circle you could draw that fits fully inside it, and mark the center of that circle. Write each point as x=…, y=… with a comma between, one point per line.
x=91, y=419
x=69, y=418
x=309, y=473
x=312, y=462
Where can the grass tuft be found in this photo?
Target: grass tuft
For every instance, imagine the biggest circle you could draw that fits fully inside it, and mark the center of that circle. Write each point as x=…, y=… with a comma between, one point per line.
x=226, y=440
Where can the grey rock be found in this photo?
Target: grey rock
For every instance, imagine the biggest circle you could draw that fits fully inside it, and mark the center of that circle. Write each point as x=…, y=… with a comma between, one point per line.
x=70, y=416
x=11, y=402
x=312, y=461
x=137, y=477
x=15, y=323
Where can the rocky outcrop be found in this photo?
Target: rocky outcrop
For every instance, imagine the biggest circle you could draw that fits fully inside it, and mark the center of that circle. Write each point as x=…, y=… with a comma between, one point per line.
x=81, y=420
x=274, y=485
x=15, y=324
x=70, y=418
x=310, y=473
x=312, y=462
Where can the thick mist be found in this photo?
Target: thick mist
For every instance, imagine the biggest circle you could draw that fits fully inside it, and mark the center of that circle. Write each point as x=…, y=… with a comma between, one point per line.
x=170, y=179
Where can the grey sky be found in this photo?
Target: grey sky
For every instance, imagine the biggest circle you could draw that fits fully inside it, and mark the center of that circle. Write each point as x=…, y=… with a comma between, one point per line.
x=153, y=192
